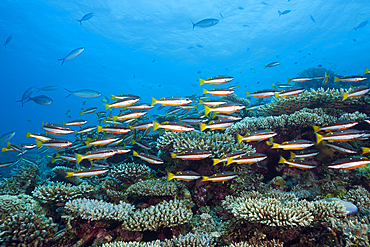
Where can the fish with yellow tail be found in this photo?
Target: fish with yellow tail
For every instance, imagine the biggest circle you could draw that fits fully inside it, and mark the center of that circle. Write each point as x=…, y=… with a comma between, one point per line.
x=290, y=92
x=340, y=136
x=114, y=129
x=338, y=125
x=192, y=155
x=367, y=71
x=349, y=163
x=123, y=96
x=98, y=154
x=309, y=153
x=220, y=177
x=302, y=164
x=216, y=80
x=356, y=92
x=349, y=79
x=87, y=172
x=292, y=145
x=173, y=126
x=172, y=101
x=247, y=159
x=341, y=147
x=218, y=91
x=184, y=175
x=265, y=93
x=148, y=158
x=54, y=143
x=258, y=135
x=224, y=108
x=122, y=103
x=217, y=124
x=232, y=155
x=129, y=115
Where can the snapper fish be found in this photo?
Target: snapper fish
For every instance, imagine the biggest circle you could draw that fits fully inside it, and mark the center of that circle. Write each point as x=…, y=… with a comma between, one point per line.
x=184, y=175
x=85, y=18
x=216, y=80
x=270, y=65
x=265, y=93
x=344, y=147
x=292, y=145
x=309, y=153
x=258, y=135
x=340, y=135
x=302, y=164
x=220, y=177
x=148, y=158
x=84, y=93
x=172, y=101
x=87, y=172
x=224, y=108
x=356, y=92
x=192, y=155
x=72, y=54
x=349, y=163
x=338, y=125
x=7, y=137
x=48, y=88
x=205, y=23
x=40, y=100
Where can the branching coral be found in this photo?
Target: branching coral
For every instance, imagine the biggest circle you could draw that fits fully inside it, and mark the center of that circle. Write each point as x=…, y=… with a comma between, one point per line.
x=350, y=232
x=133, y=244
x=22, y=181
x=190, y=240
x=255, y=243
x=26, y=229
x=329, y=98
x=303, y=118
x=360, y=197
x=218, y=144
x=58, y=193
x=130, y=172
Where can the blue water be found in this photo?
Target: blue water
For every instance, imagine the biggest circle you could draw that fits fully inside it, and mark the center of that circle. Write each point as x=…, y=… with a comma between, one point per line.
x=123, y=38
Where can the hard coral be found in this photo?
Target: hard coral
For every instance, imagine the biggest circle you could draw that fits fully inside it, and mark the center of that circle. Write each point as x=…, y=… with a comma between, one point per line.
x=22, y=181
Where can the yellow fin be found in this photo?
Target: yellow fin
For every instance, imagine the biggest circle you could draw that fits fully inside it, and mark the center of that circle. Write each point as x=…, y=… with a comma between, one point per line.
x=205, y=178
x=282, y=160
x=201, y=81
x=216, y=161
x=316, y=128
x=240, y=138
x=154, y=101
x=173, y=155
x=318, y=138
x=79, y=158
x=170, y=176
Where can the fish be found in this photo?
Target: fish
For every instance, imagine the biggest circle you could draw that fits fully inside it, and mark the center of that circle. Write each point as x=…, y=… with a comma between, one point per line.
x=98, y=154
x=356, y=92
x=57, y=129
x=292, y=145
x=140, y=106
x=8, y=40
x=350, y=79
x=343, y=147
x=361, y=25
x=100, y=164
x=270, y=65
x=172, y=101
x=87, y=172
x=7, y=137
x=284, y=12
x=199, y=46
x=312, y=19
x=258, y=135
x=77, y=122
x=129, y=115
x=123, y=96
x=216, y=80
x=174, y=126
x=193, y=120
x=105, y=99
x=309, y=153
x=84, y=93
x=232, y=155
x=350, y=207
x=349, y=163
x=302, y=164
x=192, y=155
x=102, y=140
x=85, y=130
x=72, y=54
x=54, y=143
x=217, y=124
x=85, y=18
x=66, y=157
x=40, y=137
x=228, y=116
x=40, y=100
x=254, y=107
x=224, y=108
x=247, y=159
x=184, y=175
x=143, y=125
x=290, y=92
x=218, y=91
x=214, y=102
x=340, y=135
x=262, y=93
x=115, y=129
x=9, y=164
x=48, y=88
x=122, y=103
x=148, y=158
x=26, y=95
x=142, y=144
x=338, y=125
x=89, y=110
x=205, y=23
x=220, y=177
x=252, y=70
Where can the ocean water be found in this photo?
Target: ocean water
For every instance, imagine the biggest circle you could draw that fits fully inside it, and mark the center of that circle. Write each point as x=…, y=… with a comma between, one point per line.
x=150, y=49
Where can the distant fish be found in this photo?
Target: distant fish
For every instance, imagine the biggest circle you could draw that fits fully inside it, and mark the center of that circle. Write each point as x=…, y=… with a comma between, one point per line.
x=85, y=18
x=264, y=3
x=284, y=12
x=8, y=40
x=184, y=175
x=41, y=100
x=48, y=88
x=190, y=47
x=26, y=95
x=198, y=72
x=270, y=65
x=241, y=8
x=6, y=137
x=199, y=46
x=205, y=23
x=72, y=54
x=354, y=40
x=361, y=25
x=312, y=19
x=252, y=70
x=153, y=61
x=84, y=93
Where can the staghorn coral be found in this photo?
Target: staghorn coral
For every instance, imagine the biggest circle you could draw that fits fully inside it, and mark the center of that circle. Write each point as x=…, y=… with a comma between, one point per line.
x=234, y=98
x=360, y=197
x=58, y=193
x=130, y=172
x=133, y=244
x=329, y=98
x=258, y=243
x=62, y=171
x=13, y=204
x=158, y=188
x=218, y=144
x=350, y=232
x=166, y=213
x=302, y=118
x=22, y=181
x=256, y=208
x=26, y=229
x=190, y=240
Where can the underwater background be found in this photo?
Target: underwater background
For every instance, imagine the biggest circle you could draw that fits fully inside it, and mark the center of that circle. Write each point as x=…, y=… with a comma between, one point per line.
x=156, y=49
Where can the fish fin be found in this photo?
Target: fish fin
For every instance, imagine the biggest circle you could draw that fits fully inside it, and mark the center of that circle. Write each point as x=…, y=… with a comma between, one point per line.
x=365, y=150
x=99, y=128
x=264, y=66
x=275, y=145
x=3, y=149
x=216, y=161
x=336, y=79
x=115, y=118
x=173, y=155
x=282, y=160
x=206, y=109
x=240, y=138
x=8, y=144
x=203, y=126
x=52, y=160
x=229, y=161
x=289, y=80
x=134, y=153
x=155, y=126
x=277, y=94
x=106, y=106
x=154, y=101
x=69, y=174
x=292, y=155
x=62, y=59
x=70, y=92
x=201, y=81
x=79, y=158
x=205, y=91
x=316, y=128
x=170, y=176
x=193, y=24
x=38, y=143
x=345, y=96
x=279, y=13
x=366, y=71
x=205, y=178
x=318, y=138
x=80, y=21
x=248, y=93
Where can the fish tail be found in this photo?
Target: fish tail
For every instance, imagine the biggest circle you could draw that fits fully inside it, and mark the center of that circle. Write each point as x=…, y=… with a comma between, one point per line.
x=206, y=109
x=52, y=160
x=229, y=161
x=318, y=138
x=205, y=178
x=170, y=176
x=275, y=145
x=282, y=160
x=154, y=101
x=365, y=150
x=28, y=134
x=79, y=158
x=292, y=155
x=336, y=79
x=203, y=126
x=173, y=155
x=201, y=82
x=38, y=143
x=289, y=80
x=134, y=153
x=345, y=96
x=155, y=126
x=106, y=106
x=366, y=71
x=216, y=161
x=69, y=174
x=240, y=138
x=248, y=93
x=264, y=66
x=279, y=13
x=99, y=128
x=276, y=94
x=62, y=59
x=3, y=150
x=316, y=128
x=193, y=24
x=205, y=91
x=70, y=92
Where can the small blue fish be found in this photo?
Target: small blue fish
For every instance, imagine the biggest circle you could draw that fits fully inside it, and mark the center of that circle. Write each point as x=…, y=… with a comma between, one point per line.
x=86, y=17
x=72, y=54
x=312, y=19
x=241, y=8
x=190, y=47
x=6, y=137
x=48, y=88
x=84, y=93
x=8, y=40
x=41, y=100
x=362, y=24
x=205, y=23
x=26, y=95
x=284, y=12
x=199, y=46
x=245, y=25
x=264, y=3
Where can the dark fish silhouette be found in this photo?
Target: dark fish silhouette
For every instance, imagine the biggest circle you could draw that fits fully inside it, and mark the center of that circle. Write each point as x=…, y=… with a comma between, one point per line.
x=85, y=18
x=8, y=40
x=284, y=12
x=205, y=23
x=312, y=19
x=361, y=25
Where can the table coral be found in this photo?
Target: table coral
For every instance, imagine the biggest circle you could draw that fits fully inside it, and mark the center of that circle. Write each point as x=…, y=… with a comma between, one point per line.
x=130, y=172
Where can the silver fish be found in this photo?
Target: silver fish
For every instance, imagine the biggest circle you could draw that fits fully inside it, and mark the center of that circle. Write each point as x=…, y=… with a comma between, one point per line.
x=84, y=93
x=205, y=23
x=85, y=18
x=72, y=54
x=8, y=40
x=6, y=137
x=41, y=100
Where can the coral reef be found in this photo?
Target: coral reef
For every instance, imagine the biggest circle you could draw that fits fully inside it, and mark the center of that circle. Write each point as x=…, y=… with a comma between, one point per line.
x=329, y=98
x=130, y=173
x=360, y=197
x=258, y=243
x=133, y=244
x=59, y=192
x=26, y=229
x=22, y=181
x=234, y=98
x=62, y=172
x=13, y=204
x=350, y=232
x=217, y=143
x=302, y=118
x=190, y=239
